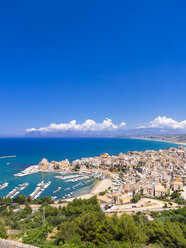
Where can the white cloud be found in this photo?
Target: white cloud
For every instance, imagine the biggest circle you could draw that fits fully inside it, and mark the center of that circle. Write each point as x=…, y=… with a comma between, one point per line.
x=141, y=127
x=72, y=126
x=165, y=122
x=106, y=128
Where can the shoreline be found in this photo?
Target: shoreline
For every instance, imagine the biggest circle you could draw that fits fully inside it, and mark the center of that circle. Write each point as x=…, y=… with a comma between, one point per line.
x=95, y=187
x=100, y=186
x=171, y=142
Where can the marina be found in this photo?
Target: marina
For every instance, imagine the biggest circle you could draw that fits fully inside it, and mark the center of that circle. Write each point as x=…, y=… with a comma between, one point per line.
x=39, y=189
x=16, y=190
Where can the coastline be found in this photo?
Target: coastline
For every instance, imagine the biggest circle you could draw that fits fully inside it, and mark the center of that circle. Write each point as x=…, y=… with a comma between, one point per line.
x=100, y=186
x=165, y=141
x=95, y=187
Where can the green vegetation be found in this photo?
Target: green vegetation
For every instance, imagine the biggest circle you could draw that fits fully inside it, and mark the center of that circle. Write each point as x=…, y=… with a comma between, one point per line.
x=3, y=233
x=170, y=198
x=103, y=193
x=176, y=196
x=77, y=167
x=82, y=224
x=136, y=198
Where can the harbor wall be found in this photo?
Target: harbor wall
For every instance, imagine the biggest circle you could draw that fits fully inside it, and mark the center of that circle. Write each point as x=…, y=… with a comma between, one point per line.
x=12, y=244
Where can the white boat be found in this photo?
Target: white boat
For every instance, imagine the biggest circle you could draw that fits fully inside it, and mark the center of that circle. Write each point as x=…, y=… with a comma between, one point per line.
x=57, y=190
x=39, y=189
x=66, y=189
x=41, y=183
x=4, y=185
x=17, y=190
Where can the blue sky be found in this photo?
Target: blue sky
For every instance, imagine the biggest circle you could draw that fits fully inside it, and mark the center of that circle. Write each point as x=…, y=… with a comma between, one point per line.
x=79, y=60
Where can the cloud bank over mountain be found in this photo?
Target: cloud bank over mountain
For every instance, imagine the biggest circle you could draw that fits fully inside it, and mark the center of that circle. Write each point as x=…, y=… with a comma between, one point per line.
x=87, y=128
x=90, y=128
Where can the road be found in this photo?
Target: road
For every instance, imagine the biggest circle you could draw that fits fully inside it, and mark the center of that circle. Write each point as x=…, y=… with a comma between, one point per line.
x=144, y=205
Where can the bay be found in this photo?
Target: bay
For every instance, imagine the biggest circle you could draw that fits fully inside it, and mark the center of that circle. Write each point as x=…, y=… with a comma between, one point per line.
x=30, y=151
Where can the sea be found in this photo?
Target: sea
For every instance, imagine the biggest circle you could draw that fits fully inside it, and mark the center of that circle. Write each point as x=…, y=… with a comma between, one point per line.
x=30, y=151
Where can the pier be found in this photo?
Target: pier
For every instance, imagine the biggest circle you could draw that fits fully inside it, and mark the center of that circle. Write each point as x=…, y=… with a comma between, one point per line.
x=11, y=156
x=28, y=171
x=16, y=190
x=67, y=177
x=39, y=189
x=77, y=179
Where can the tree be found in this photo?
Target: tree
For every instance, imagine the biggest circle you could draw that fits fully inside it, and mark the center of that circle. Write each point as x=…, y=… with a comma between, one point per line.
x=168, y=234
x=20, y=199
x=29, y=198
x=175, y=194
x=3, y=233
x=136, y=198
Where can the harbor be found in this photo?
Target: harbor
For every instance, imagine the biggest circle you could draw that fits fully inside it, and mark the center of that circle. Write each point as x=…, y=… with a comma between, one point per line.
x=70, y=186
x=68, y=182
x=39, y=189
x=16, y=190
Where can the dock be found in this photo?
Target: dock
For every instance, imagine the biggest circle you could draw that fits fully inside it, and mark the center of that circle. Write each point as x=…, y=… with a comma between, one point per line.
x=16, y=190
x=39, y=189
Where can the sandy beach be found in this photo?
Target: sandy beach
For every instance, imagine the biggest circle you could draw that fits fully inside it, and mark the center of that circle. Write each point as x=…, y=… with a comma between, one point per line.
x=99, y=187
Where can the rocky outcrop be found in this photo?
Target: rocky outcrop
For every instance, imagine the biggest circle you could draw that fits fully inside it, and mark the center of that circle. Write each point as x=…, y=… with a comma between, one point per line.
x=44, y=164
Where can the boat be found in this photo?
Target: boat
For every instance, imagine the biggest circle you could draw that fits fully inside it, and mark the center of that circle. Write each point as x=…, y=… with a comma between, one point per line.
x=4, y=185
x=66, y=189
x=17, y=190
x=41, y=183
x=57, y=190
x=39, y=189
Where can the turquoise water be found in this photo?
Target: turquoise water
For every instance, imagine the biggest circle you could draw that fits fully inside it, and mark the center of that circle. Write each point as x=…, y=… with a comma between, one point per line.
x=30, y=151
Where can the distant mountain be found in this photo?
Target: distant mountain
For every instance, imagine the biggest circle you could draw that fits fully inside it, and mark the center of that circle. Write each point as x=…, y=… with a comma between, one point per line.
x=117, y=133
x=153, y=131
